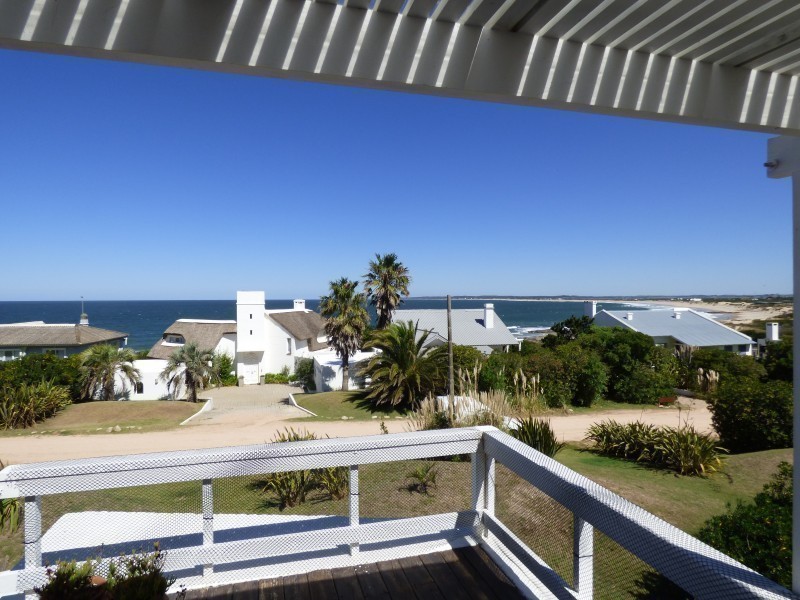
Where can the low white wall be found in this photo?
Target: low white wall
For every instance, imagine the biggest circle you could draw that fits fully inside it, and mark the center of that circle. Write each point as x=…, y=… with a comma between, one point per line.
x=328, y=370
x=152, y=385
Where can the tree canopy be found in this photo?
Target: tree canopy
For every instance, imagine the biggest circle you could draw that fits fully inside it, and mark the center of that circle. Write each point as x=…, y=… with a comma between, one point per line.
x=385, y=284
x=346, y=321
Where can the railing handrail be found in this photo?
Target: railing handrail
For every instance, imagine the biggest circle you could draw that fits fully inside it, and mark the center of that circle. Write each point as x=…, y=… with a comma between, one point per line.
x=87, y=474
x=695, y=566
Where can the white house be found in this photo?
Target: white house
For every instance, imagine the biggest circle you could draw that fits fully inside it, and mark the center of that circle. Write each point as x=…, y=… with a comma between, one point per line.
x=675, y=327
x=481, y=328
x=259, y=341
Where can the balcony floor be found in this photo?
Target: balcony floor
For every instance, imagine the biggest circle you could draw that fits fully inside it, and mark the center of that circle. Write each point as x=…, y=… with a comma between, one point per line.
x=461, y=573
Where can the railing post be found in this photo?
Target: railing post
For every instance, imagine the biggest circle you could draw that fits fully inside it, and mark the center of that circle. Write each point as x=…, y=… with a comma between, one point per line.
x=354, y=519
x=208, y=520
x=33, y=535
x=583, y=558
x=483, y=469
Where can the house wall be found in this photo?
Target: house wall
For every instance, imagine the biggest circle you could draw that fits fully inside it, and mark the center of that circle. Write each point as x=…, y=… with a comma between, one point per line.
x=277, y=353
x=227, y=345
x=328, y=371
x=152, y=385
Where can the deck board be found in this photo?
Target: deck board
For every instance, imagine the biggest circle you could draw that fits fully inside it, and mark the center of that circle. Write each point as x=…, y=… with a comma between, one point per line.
x=463, y=574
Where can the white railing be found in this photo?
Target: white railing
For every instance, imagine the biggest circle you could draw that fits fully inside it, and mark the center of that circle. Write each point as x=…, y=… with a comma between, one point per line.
x=321, y=543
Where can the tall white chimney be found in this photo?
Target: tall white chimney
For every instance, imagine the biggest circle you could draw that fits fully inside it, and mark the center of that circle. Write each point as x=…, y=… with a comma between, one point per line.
x=629, y=316
x=590, y=308
x=85, y=319
x=488, y=316
x=299, y=304
x=772, y=332
x=677, y=313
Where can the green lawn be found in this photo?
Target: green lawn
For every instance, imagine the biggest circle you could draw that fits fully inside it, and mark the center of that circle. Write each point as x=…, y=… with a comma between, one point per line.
x=98, y=417
x=332, y=406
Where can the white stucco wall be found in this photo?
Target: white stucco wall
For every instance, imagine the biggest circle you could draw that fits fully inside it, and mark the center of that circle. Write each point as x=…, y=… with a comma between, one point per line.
x=276, y=354
x=153, y=387
x=328, y=370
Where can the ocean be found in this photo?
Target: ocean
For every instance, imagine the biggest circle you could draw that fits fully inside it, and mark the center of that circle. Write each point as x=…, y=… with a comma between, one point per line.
x=145, y=320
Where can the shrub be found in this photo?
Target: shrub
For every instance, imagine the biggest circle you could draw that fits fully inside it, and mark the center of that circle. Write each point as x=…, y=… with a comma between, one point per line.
x=290, y=488
x=27, y=404
x=779, y=362
x=538, y=434
x=334, y=481
x=139, y=577
x=70, y=580
x=619, y=440
x=282, y=377
x=422, y=479
x=304, y=373
x=38, y=368
x=759, y=534
x=643, y=385
x=136, y=577
x=750, y=415
x=680, y=449
x=223, y=366
x=686, y=451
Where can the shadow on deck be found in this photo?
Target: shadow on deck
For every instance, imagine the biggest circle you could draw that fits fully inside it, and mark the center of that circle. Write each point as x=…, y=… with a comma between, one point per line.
x=462, y=573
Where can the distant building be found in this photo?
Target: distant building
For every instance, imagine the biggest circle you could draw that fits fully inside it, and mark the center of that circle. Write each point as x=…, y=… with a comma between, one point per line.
x=59, y=339
x=676, y=327
x=480, y=328
x=259, y=341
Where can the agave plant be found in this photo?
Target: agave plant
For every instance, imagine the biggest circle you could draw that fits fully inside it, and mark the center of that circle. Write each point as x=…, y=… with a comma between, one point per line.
x=538, y=434
x=422, y=479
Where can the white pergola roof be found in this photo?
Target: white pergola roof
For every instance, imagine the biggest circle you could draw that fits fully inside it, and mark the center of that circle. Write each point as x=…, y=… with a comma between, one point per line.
x=731, y=63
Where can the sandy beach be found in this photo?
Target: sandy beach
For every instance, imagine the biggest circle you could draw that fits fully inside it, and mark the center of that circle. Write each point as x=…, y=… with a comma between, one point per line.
x=741, y=313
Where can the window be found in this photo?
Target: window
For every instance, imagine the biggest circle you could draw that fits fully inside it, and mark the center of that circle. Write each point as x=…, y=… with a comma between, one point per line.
x=728, y=348
x=60, y=352
x=742, y=347
x=10, y=354
x=140, y=388
x=175, y=339
x=251, y=332
x=251, y=316
x=288, y=345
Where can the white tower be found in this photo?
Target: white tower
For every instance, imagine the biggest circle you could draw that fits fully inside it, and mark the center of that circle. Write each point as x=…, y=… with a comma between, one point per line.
x=589, y=308
x=251, y=335
x=772, y=332
x=299, y=304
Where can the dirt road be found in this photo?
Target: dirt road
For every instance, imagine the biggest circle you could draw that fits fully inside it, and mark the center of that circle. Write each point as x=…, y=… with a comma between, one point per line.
x=248, y=425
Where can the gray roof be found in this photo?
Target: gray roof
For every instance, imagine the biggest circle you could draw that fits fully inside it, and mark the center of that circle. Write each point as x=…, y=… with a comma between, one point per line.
x=42, y=335
x=468, y=329
x=691, y=329
x=205, y=334
x=303, y=325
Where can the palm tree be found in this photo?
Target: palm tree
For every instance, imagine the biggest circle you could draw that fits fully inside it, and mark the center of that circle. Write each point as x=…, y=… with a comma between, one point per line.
x=99, y=367
x=385, y=284
x=404, y=372
x=346, y=321
x=192, y=367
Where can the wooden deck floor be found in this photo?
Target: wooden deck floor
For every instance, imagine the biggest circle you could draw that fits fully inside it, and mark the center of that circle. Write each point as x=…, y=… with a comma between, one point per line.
x=457, y=574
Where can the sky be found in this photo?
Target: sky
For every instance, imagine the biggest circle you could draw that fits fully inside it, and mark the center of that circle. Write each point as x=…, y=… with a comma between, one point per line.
x=124, y=181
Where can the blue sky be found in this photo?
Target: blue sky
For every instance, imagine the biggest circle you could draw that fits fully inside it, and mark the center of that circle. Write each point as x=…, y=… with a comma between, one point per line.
x=124, y=181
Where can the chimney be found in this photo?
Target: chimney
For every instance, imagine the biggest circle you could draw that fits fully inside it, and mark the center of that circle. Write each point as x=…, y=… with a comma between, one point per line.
x=85, y=319
x=772, y=332
x=488, y=316
x=590, y=308
x=629, y=316
x=677, y=313
x=299, y=304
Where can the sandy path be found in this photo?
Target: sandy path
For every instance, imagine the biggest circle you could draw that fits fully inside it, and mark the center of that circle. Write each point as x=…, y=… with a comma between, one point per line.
x=244, y=427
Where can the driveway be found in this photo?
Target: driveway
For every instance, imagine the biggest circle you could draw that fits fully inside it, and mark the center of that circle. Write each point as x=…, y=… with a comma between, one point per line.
x=249, y=404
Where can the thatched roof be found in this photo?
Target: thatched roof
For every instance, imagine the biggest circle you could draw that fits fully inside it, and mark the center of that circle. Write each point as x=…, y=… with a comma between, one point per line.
x=205, y=334
x=27, y=335
x=303, y=325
